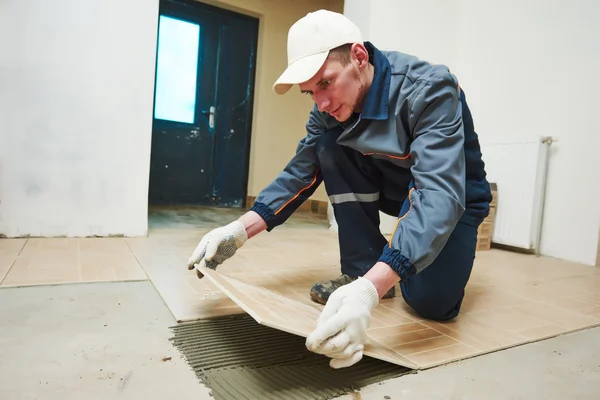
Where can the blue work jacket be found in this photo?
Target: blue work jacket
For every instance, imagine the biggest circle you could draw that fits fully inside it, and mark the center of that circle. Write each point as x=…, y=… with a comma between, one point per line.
x=415, y=116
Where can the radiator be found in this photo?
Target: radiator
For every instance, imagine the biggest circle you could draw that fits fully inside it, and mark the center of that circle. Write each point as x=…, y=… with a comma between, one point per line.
x=520, y=171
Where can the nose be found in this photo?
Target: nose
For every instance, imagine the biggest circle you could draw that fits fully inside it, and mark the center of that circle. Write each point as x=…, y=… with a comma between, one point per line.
x=322, y=101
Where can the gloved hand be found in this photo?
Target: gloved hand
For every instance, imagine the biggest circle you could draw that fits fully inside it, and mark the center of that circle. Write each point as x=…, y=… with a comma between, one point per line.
x=341, y=330
x=217, y=246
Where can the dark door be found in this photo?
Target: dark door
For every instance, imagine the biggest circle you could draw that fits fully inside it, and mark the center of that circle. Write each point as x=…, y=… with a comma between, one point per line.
x=203, y=105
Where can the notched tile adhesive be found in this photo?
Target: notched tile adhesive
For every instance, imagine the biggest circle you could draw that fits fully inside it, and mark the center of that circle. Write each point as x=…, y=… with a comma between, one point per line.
x=238, y=358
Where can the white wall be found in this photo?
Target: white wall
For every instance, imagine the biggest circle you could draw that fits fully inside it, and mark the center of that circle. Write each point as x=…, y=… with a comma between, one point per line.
x=529, y=69
x=76, y=96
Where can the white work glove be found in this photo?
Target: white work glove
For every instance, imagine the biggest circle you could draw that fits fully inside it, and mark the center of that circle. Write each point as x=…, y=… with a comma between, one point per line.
x=217, y=246
x=341, y=330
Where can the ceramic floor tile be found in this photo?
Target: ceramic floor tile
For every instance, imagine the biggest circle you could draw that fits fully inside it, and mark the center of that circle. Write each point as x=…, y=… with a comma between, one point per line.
x=417, y=346
x=187, y=297
x=164, y=255
x=98, y=267
x=399, y=306
x=390, y=317
x=442, y=355
x=566, y=319
x=271, y=309
x=49, y=267
x=577, y=306
x=510, y=319
x=44, y=261
x=49, y=247
x=593, y=298
x=542, y=332
x=104, y=246
x=267, y=306
x=497, y=316
x=481, y=298
x=471, y=334
x=486, y=334
x=395, y=330
x=9, y=249
x=408, y=337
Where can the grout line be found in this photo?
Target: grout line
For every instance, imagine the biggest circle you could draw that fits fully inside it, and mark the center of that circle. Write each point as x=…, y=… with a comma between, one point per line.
x=8, y=271
x=13, y=263
x=68, y=283
x=389, y=348
x=470, y=336
x=22, y=247
x=158, y=292
x=139, y=263
x=426, y=328
x=444, y=347
x=431, y=338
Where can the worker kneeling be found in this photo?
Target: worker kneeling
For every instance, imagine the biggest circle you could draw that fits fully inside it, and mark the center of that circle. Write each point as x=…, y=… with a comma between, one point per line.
x=390, y=133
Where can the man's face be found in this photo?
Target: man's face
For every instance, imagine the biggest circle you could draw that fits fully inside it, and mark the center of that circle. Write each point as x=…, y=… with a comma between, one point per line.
x=336, y=89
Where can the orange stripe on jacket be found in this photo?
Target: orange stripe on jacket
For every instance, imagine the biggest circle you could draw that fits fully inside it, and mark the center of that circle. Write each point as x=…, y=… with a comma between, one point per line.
x=387, y=155
x=401, y=218
x=298, y=194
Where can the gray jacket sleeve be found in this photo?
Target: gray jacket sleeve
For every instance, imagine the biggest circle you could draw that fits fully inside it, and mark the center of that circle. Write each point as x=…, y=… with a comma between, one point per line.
x=298, y=180
x=436, y=198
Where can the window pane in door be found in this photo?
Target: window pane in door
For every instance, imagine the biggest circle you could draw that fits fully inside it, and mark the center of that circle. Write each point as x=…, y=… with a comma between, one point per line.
x=176, y=72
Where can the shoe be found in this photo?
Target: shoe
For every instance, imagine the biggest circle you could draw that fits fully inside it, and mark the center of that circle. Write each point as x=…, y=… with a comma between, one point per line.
x=321, y=291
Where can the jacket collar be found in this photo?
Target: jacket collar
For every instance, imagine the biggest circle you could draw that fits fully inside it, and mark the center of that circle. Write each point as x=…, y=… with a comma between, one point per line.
x=376, y=101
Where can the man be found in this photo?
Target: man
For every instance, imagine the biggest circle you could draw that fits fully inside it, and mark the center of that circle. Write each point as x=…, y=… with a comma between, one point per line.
x=388, y=132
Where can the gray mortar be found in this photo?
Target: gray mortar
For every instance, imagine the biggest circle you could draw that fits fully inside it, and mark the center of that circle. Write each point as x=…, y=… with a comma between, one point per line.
x=238, y=358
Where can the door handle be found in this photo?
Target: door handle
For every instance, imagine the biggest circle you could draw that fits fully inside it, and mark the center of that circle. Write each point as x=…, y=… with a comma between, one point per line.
x=211, y=116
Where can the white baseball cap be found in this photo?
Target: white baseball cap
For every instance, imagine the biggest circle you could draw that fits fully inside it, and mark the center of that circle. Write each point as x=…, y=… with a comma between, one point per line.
x=309, y=42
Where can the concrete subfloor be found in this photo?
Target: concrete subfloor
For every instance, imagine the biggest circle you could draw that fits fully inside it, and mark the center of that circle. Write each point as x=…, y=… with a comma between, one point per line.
x=90, y=341
x=564, y=367
x=110, y=341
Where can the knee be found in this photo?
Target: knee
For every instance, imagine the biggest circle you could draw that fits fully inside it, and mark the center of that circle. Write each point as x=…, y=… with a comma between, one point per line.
x=434, y=308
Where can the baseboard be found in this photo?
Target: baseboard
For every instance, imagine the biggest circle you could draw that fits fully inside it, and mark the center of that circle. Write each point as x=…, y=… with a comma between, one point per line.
x=512, y=248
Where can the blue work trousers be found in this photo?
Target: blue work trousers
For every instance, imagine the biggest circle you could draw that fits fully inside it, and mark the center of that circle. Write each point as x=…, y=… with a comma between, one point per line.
x=359, y=187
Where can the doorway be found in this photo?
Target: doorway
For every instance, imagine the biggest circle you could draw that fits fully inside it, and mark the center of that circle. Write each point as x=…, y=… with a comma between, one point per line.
x=203, y=104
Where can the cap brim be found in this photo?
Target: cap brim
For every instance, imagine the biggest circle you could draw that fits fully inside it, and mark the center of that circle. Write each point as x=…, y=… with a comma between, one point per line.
x=300, y=71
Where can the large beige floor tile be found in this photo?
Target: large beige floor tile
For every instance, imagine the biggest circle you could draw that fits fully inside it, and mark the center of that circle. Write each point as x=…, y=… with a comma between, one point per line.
x=277, y=311
x=48, y=266
x=186, y=296
x=275, y=260
x=9, y=250
x=44, y=261
x=497, y=312
x=97, y=267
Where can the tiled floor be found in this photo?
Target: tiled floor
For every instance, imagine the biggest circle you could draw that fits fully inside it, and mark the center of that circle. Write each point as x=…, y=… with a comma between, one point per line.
x=9, y=249
x=41, y=261
x=497, y=313
x=511, y=298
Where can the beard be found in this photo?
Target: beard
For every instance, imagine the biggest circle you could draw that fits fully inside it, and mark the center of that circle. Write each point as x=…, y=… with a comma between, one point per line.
x=360, y=98
x=356, y=103
x=361, y=92
x=358, y=95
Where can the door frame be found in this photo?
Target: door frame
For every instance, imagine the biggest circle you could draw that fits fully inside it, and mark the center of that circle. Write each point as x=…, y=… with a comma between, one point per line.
x=196, y=6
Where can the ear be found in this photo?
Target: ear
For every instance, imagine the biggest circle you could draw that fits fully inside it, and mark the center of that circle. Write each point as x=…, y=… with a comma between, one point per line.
x=359, y=55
